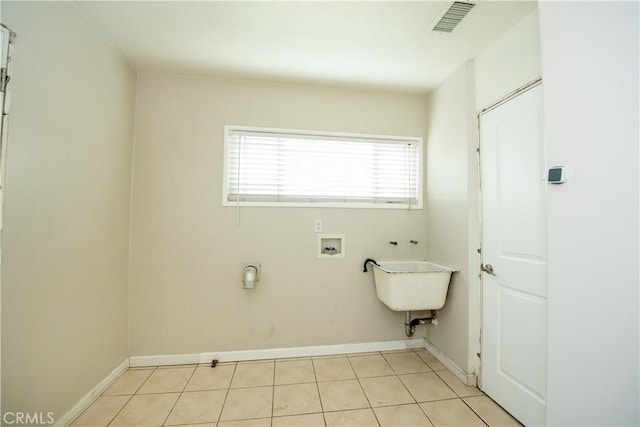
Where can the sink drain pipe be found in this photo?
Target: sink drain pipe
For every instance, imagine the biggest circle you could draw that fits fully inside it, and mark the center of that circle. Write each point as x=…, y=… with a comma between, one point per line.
x=410, y=325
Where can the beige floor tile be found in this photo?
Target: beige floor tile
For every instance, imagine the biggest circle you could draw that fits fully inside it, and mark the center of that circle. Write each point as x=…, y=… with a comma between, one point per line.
x=385, y=391
x=368, y=353
x=328, y=356
x=406, y=362
x=248, y=403
x=128, y=383
x=146, y=410
x=167, y=380
x=197, y=407
x=185, y=365
x=402, y=416
x=490, y=412
x=101, y=412
x=342, y=395
x=426, y=387
x=450, y=413
x=208, y=378
x=253, y=375
x=458, y=386
x=197, y=425
x=294, y=372
x=370, y=366
x=218, y=364
x=256, y=422
x=296, y=399
x=251, y=362
x=307, y=420
x=430, y=360
x=360, y=418
x=333, y=369
x=403, y=350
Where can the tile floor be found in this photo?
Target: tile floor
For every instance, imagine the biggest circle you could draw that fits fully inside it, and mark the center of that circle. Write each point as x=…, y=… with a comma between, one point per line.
x=398, y=388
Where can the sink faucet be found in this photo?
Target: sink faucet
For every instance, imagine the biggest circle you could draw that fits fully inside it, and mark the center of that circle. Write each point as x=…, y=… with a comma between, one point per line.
x=367, y=261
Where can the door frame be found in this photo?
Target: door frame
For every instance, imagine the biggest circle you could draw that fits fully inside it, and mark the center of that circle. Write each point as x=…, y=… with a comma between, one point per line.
x=4, y=118
x=476, y=275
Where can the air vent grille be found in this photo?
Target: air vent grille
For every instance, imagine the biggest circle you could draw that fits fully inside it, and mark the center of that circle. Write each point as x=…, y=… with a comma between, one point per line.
x=452, y=17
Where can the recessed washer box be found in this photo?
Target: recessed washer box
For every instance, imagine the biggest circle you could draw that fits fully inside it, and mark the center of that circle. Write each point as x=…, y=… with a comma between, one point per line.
x=331, y=246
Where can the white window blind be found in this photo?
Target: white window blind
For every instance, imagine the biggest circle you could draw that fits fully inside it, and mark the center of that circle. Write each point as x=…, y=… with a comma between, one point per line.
x=298, y=168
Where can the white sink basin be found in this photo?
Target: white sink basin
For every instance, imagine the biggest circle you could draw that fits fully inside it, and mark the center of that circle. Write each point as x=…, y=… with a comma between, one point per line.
x=412, y=285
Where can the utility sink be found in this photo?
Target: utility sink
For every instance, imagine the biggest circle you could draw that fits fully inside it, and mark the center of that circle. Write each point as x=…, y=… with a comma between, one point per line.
x=412, y=285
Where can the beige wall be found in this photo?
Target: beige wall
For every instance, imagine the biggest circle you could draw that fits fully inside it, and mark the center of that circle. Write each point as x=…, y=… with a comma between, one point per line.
x=450, y=121
x=65, y=237
x=186, y=251
x=452, y=171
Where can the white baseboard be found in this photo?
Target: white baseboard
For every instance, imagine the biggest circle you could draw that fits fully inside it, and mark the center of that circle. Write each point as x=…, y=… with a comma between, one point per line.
x=468, y=378
x=165, y=360
x=88, y=398
x=273, y=353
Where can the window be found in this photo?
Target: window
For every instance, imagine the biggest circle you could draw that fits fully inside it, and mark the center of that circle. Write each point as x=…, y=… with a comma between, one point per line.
x=275, y=167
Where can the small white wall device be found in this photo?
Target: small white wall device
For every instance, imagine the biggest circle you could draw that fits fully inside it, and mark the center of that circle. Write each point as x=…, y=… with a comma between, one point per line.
x=556, y=175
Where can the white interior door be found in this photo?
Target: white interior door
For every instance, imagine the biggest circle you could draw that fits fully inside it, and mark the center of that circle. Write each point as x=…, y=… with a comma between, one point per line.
x=514, y=251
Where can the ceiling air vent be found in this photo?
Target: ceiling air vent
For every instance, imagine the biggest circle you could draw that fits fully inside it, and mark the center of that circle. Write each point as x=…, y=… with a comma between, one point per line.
x=452, y=17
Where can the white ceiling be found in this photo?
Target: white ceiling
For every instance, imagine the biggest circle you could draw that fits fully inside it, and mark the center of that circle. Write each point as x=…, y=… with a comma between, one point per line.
x=372, y=43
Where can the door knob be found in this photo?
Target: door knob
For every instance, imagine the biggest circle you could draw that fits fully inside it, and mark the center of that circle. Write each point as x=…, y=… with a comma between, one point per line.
x=488, y=268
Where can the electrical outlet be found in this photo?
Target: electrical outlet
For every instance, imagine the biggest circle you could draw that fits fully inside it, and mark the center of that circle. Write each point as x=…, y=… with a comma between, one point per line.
x=317, y=225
